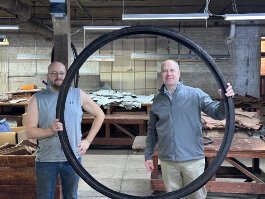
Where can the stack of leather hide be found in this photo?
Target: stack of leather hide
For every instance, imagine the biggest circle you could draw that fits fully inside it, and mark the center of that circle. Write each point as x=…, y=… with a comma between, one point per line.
x=243, y=119
x=25, y=147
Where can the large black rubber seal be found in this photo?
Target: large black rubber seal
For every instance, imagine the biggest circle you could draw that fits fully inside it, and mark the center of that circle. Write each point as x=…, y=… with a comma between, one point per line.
x=170, y=34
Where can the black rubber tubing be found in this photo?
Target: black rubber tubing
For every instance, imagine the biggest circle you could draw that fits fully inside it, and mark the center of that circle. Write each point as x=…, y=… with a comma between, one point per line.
x=170, y=34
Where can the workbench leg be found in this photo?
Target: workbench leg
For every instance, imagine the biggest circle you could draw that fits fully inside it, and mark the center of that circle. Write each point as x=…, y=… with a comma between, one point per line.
x=141, y=129
x=209, y=161
x=154, y=174
x=107, y=130
x=255, y=166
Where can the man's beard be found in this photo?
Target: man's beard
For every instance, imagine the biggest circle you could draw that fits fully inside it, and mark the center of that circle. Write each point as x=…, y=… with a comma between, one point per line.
x=56, y=86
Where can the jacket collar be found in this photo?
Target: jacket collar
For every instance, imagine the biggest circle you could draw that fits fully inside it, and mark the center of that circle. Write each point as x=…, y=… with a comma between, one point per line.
x=179, y=84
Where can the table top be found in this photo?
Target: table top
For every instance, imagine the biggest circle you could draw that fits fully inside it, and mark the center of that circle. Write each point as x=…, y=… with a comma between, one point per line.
x=121, y=116
x=240, y=147
x=13, y=104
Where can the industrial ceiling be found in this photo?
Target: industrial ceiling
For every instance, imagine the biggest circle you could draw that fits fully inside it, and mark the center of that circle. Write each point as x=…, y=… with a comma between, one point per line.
x=109, y=12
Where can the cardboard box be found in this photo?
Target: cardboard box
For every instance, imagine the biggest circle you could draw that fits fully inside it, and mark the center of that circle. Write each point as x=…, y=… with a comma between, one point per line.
x=24, y=117
x=21, y=135
x=16, y=136
x=17, y=129
x=8, y=137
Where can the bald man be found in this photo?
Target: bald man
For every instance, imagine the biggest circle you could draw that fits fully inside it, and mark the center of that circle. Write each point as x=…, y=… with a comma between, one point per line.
x=175, y=126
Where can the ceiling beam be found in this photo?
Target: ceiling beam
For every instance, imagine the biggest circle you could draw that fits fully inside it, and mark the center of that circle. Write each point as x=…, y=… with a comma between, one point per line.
x=23, y=13
x=82, y=8
x=15, y=7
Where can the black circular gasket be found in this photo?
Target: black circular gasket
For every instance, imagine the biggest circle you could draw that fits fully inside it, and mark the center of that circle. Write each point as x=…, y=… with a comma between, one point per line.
x=170, y=34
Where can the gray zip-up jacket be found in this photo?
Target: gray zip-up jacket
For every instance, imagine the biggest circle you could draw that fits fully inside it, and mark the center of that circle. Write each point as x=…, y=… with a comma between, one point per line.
x=176, y=125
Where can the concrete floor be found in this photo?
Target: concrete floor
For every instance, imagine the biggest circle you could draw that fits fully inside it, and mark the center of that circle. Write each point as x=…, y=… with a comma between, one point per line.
x=119, y=170
x=124, y=171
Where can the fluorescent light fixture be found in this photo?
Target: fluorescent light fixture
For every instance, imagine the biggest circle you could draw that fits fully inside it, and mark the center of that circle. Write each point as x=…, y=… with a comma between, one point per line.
x=247, y=16
x=93, y=58
x=103, y=27
x=34, y=56
x=105, y=58
x=165, y=16
x=9, y=27
x=178, y=57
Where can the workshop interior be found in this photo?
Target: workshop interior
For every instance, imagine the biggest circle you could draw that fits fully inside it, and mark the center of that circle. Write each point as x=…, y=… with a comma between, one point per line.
x=113, y=51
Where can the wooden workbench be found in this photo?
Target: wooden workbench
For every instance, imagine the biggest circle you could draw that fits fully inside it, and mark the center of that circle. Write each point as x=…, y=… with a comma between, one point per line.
x=13, y=111
x=115, y=108
x=121, y=122
x=251, y=183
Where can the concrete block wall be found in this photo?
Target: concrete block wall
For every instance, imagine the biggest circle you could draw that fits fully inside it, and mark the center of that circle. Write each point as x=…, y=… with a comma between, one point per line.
x=213, y=41
x=124, y=74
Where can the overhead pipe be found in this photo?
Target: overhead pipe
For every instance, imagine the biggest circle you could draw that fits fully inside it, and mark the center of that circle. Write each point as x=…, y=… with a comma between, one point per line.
x=15, y=7
x=24, y=14
x=33, y=26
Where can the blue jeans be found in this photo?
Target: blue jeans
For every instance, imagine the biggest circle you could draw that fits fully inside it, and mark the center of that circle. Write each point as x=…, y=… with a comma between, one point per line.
x=47, y=172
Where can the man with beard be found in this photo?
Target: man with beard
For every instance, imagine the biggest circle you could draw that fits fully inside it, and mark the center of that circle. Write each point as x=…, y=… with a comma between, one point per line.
x=41, y=124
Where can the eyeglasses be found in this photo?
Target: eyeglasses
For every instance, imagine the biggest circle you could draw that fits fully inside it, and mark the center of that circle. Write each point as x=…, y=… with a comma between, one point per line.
x=55, y=74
